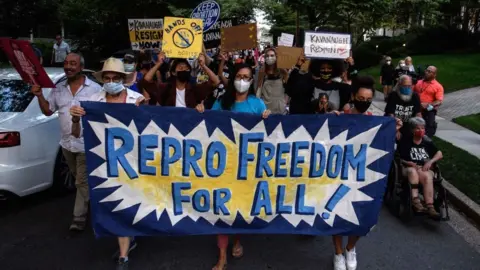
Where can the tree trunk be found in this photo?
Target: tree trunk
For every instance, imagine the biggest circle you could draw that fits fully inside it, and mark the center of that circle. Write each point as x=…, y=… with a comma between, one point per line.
x=465, y=19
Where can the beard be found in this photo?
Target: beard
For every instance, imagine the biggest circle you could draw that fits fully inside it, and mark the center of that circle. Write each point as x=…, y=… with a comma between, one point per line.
x=405, y=98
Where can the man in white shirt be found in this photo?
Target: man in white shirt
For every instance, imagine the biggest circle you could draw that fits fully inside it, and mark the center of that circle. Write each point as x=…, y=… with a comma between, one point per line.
x=60, y=51
x=76, y=88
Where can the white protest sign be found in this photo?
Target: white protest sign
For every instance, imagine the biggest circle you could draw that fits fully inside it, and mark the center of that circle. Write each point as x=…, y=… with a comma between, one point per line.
x=327, y=45
x=287, y=39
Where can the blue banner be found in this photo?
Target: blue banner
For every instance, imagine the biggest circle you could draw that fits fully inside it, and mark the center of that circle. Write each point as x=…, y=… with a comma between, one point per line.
x=174, y=171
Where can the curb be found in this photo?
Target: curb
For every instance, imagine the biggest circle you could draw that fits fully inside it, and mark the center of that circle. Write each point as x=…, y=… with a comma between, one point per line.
x=457, y=198
x=470, y=208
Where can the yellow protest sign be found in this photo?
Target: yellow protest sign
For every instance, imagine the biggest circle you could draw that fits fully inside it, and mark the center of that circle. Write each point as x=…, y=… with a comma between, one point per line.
x=182, y=37
x=145, y=33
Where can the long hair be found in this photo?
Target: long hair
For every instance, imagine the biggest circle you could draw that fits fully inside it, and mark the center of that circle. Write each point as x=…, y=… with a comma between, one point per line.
x=274, y=66
x=228, y=99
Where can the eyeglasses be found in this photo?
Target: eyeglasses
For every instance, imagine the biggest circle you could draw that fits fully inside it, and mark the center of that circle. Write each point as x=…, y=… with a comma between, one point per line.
x=242, y=77
x=115, y=79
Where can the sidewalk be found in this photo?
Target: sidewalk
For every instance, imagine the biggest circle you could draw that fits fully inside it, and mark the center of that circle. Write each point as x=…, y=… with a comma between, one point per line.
x=447, y=131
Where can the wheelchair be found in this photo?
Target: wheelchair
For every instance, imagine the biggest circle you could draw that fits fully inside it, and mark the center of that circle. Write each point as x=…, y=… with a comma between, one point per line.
x=398, y=194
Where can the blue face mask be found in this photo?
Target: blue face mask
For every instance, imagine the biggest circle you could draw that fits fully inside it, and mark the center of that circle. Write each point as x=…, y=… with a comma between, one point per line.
x=405, y=90
x=113, y=88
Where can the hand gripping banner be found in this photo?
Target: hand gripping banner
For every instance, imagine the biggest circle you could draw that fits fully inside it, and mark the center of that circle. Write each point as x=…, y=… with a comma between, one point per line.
x=174, y=171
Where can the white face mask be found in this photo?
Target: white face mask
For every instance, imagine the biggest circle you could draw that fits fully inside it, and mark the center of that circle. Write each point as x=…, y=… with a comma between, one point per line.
x=129, y=67
x=113, y=88
x=389, y=62
x=402, y=65
x=242, y=86
x=270, y=60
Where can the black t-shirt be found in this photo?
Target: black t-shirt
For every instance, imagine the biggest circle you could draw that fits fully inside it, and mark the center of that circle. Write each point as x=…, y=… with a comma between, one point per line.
x=401, y=109
x=419, y=154
x=217, y=93
x=338, y=93
x=387, y=72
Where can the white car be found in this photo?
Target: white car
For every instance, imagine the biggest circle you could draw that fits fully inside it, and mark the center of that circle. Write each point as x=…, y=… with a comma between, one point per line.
x=31, y=159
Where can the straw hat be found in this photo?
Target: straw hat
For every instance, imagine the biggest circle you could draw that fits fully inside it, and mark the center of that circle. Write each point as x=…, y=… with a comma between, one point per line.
x=113, y=65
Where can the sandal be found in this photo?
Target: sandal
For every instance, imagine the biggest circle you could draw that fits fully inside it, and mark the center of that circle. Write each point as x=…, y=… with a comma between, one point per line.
x=237, y=252
x=218, y=268
x=432, y=212
x=417, y=205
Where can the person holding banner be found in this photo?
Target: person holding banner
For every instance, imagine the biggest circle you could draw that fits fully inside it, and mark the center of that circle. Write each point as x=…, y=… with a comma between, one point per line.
x=76, y=88
x=362, y=96
x=179, y=91
x=239, y=97
x=112, y=75
x=271, y=84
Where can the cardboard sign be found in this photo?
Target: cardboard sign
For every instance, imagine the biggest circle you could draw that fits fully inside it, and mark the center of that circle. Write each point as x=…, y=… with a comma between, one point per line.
x=327, y=45
x=213, y=38
x=145, y=33
x=287, y=39
x=23, y=58
x=287, y=57
x=241, y=37
x=209, y=12
x=183, y=38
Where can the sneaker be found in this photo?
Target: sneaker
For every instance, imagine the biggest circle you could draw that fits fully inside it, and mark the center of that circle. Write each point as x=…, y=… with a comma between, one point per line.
x=133, y=245
x=351, y=259
x=339, y=262
x=78, y=226
x=122, y=264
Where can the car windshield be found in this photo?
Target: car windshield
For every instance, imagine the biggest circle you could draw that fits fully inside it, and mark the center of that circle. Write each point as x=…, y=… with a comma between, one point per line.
x=15, y=95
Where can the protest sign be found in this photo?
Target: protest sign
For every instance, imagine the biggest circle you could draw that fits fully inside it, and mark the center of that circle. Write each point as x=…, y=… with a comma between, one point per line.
x=212, y=38
x=287, y=57
x=145, y=33
x=209, y=12
x=241, y=37
x=23, y=58
x=182, y=37
x=287, y=40
x=174, y=171
x=327, y=45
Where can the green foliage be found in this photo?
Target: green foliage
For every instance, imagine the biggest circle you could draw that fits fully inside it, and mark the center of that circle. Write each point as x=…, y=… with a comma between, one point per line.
x=460, y=168
x=451, y=67
x=471, y=122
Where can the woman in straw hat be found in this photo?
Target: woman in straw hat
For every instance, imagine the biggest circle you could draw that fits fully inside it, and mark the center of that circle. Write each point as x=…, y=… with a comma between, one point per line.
x=113, y=76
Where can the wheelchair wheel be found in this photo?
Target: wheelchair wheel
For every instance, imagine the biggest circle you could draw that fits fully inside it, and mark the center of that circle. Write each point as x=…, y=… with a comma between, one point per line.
x=440, y=202
x=405, y=208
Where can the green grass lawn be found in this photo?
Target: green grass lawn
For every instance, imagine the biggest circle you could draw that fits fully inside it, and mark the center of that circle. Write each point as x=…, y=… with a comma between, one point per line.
x=460, y=168
x=455, y=71
x=471, y=122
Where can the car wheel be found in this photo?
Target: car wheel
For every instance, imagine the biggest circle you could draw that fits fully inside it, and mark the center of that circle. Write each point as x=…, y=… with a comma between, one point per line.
x=64, y=180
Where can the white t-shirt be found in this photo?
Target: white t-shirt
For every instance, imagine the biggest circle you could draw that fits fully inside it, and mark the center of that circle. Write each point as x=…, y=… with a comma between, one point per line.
x=180, y=101
x=61, y=51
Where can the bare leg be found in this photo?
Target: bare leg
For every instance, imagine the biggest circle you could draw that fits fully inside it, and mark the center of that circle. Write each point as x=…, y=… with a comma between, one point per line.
x=413, y=179
x=222, y=243
x=352, y=241
x=426, y=178
x=124, y=245
x=338, y=244
x=237, y=247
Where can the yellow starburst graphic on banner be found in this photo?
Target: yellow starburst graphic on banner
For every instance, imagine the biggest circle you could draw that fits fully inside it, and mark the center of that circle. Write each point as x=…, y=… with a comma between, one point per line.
x=153, y=193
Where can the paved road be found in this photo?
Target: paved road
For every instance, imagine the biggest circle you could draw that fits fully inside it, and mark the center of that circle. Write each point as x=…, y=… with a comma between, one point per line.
x=34, y=236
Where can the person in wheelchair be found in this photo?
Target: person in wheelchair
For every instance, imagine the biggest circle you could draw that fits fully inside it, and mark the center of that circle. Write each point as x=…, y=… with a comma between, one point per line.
x=418, y=154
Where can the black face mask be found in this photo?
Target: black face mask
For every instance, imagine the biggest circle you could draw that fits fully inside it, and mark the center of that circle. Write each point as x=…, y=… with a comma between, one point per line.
x=361, y=106
x=183, y=76
x=325, y=76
